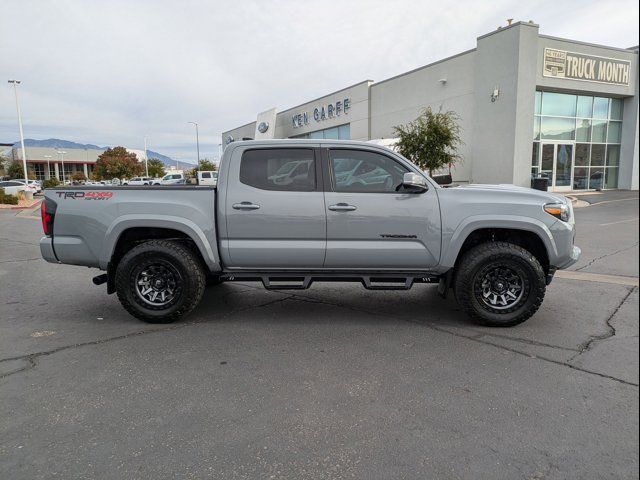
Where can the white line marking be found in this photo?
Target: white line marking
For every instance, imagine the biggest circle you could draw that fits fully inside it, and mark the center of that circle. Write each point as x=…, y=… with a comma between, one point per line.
x=597, y=277
x=612, y=201
x=619, y=221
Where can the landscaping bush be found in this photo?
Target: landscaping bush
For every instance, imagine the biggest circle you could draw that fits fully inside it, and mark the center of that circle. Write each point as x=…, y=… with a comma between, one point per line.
x=50, y=183
x=7, y=199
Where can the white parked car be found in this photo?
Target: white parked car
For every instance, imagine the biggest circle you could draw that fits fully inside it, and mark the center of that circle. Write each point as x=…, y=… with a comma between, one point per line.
x=139, y=181
x=35, y=184
x=173, y=178
x=12, y=187
x=208, y=177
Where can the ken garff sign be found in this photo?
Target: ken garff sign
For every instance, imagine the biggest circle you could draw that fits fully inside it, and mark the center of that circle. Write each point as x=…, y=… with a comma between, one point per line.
x=589, y=68
x=323, y=112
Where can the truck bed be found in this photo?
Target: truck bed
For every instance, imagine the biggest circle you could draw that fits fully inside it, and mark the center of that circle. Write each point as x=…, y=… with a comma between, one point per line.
x=89, y=220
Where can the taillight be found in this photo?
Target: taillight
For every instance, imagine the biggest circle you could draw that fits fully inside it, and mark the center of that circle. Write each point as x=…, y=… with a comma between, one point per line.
x=47, y=214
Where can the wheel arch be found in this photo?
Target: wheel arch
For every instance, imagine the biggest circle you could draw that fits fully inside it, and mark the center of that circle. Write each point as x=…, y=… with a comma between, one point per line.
x=532, y=235
x=132, y=230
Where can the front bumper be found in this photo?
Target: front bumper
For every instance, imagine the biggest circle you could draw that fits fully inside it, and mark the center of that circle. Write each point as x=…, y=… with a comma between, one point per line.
x=573, y=258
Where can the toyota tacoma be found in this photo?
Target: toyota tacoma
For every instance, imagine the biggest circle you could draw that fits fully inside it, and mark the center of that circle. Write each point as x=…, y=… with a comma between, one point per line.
x=288, y=213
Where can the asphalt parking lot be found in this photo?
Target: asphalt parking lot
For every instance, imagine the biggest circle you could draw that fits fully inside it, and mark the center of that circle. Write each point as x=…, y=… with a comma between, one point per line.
x=331, y=382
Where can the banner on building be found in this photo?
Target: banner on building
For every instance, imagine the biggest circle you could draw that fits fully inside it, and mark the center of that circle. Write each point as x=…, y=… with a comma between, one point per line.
x=588, y=68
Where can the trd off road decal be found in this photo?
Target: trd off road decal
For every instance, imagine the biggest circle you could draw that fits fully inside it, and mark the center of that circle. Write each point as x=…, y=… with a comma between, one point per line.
x=100, y=195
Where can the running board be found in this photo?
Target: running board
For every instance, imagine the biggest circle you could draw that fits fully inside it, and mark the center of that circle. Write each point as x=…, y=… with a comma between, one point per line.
x=286, y=283
x=302, y=280
x=381, y=283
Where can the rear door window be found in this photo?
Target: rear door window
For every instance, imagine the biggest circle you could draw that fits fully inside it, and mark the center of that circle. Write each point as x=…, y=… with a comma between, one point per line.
x=283, y=169
x=206, y=175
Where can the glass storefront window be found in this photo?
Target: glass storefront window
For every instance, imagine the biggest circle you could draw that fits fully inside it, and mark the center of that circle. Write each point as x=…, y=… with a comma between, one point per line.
x=593, y=123
x=585, y=107
x=596, y=178
x=341, y=132
x=580, y=178
x=611, y=178
x=613, y=155
x=583, y=130
x=600, y=107
x=534, y=154
x=556, y=128
x=599, y=131
x=582, y=155
x=536, y=128
x=614, y=133
x=547, y=157
x=616, y=109
x=558, y=104
x=597, y=155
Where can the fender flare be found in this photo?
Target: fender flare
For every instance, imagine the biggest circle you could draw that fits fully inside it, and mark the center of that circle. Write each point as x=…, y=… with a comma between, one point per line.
x=114, y=232
x=510, y=222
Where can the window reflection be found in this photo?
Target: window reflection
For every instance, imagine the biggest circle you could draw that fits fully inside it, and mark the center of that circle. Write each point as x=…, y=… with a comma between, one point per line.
x=594, y=123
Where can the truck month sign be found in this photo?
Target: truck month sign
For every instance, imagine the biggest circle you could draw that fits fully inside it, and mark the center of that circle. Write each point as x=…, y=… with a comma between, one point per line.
x=590, y=68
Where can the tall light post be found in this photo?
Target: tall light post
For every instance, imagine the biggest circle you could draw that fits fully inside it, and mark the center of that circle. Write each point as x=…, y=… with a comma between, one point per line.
x=146, y=163
x=61, y=153
x=24, y=152
x=48, y=157
x=197, y=142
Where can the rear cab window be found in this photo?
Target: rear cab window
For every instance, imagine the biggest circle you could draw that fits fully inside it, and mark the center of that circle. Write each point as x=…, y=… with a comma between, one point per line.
x=280, y=169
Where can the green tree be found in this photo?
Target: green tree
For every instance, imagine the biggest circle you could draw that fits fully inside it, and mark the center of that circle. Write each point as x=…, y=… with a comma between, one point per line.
x=16, y=170
x=78, y=176
x=156, y=167
x=431, y=141
x=116, y=162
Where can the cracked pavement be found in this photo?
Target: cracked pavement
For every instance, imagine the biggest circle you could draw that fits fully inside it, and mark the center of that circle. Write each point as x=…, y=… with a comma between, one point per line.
x=330, y=382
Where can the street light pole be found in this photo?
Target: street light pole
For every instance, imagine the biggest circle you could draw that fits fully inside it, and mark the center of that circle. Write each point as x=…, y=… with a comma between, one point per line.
x=146, y=163
x=48, y=175
x=24, y=152
x=61, y=153
x=197, y=142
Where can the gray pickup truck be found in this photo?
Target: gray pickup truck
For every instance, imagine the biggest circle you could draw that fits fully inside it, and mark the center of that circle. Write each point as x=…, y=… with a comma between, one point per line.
x=288, y=213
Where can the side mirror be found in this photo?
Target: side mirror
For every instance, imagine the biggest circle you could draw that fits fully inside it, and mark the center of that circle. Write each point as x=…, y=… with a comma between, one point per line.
x=415, y=183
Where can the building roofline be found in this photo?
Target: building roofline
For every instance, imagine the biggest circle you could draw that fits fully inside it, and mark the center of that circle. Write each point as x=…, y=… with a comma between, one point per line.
x=425, y=66
x=588, y=44
x=507, y=27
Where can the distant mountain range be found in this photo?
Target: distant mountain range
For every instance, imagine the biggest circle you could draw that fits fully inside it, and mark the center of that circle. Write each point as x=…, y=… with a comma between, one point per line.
x=58, y=143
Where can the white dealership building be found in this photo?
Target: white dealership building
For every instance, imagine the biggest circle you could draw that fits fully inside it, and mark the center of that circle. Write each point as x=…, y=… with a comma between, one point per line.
x=529, y=104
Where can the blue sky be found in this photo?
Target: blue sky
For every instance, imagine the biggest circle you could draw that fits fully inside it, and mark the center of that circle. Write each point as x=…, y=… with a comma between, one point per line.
x=111, y=72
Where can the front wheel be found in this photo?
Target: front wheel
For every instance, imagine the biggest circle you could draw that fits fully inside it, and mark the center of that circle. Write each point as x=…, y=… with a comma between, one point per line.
x=160, y=281
x=499, y=284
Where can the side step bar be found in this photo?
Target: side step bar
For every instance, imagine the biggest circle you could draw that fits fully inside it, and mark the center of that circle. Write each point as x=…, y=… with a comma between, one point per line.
x=302, y=281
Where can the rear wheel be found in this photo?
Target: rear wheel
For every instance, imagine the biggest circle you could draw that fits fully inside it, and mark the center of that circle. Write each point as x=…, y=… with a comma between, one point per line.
x=499, y=284
x=160, y=281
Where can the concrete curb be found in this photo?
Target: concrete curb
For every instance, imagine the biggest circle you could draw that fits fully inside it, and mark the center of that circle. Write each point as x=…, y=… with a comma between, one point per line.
x=577, y=203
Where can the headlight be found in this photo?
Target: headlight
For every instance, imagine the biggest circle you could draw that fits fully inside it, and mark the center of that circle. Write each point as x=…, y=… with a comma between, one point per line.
x=559, y=210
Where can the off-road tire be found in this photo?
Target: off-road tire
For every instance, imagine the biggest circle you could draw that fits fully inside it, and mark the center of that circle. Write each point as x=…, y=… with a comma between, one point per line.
x=487, y=255
x=190, y=280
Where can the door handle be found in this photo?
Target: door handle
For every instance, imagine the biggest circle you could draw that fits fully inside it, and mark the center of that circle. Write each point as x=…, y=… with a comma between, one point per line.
x=245, y=206
x=342, y=207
